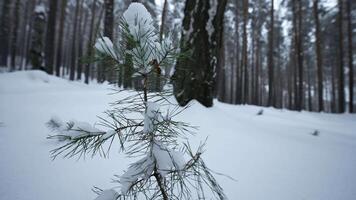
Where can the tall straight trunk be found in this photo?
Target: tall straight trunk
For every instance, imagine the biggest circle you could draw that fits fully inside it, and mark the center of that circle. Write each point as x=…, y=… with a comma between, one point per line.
x=271, y=89
x=108, y=32
x=91, y=40
x=50, y=37
x=300, y=59
x=29, y=35
x=310, y=102
x=217, y=49
x=341, y=79
x=258, y=69
x=82, y=15
x=319, y=59
x=294, y=57
x=59, y=60
x=5, y=32
x=197, y=81
x=238, y=98
x=244, y=61
x=14, y=38
x=333, y=88
x=73, y=63
x=351, y=71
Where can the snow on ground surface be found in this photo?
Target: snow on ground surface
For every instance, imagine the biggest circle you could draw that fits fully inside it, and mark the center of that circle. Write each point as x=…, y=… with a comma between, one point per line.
x=272, y=156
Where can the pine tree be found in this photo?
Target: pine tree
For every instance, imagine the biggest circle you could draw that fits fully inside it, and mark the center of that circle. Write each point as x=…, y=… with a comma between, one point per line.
x=163, y=172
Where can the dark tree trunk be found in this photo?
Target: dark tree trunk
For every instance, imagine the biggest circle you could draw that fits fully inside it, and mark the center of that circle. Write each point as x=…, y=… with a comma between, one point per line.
x=341, y=79
x=81, y=32
x=271, y=100
x=5, y=32
x=74, y=56
x=14, y=38
x=244, y=61
x=217, y=49
x=238, y=98
x=351, y=71
x=319, y=59
x=193, y=77
x=91, y=40
x=300, y=59
x=59, y=59
x=50, y=37
x=37, y=46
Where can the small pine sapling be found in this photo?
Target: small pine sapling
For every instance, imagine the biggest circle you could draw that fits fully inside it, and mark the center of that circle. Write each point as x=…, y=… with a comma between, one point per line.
x=143, y=124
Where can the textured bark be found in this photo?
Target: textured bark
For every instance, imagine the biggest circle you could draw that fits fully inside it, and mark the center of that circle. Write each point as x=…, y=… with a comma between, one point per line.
x=5, y=32
x=50, y=36
x=319, y=59
x=217, y=49
x=193, y=77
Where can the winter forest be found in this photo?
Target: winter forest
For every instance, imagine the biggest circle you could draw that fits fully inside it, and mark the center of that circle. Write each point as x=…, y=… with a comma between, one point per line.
x=177, y=99
x=285, y=54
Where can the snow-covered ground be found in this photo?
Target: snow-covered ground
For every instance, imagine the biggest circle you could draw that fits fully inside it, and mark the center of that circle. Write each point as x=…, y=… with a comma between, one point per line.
x=272, y=156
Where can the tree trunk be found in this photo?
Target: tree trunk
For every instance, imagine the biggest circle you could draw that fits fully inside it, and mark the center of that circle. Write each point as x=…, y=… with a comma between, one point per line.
x=319, y=59
x=14, y=38
x=5, y=32
x=271, y=100
x=341, y=85
x=51, y=36
x=351, y=71
x=82, y=16
x=217, y=49
x=59, y=59
x=91, y=41
x=74, y=56
x=300, y=59
x=244, y=61
x=193, y=78
x=37, y=46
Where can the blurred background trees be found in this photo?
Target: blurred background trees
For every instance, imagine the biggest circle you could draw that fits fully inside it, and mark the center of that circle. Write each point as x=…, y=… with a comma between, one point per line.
x=286, y=54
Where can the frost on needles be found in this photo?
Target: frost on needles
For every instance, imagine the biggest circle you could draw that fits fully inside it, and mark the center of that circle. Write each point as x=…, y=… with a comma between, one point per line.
x=142, y=124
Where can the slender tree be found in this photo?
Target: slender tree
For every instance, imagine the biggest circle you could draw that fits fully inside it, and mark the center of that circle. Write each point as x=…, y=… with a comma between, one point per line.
x=59, y=60
x=50, y=37
x=319, y=59
x=341, y=76
x=5, y=32
x=73, y=63
x=244, y=60
x=271, y=99
x=351, y=67
x=15, y=34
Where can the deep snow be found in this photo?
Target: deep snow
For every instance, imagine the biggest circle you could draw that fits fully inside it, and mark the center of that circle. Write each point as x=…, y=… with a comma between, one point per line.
x=272, y=156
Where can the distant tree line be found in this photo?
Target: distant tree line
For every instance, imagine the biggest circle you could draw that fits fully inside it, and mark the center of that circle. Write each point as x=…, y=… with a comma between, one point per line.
x=295, y=54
